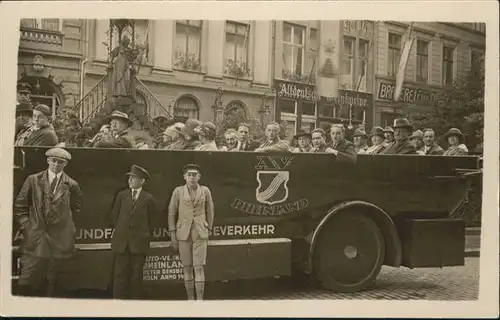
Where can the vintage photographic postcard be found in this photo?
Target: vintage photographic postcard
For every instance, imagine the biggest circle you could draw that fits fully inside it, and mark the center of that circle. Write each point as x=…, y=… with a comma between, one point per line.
x=201, y=158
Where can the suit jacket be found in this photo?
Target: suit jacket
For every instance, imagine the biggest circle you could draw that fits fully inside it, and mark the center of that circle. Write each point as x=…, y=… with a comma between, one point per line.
x=250, y=145
x=184, y=212
x=460, y=150
x=435, y=150
x=401, y=147
x=45, y=136
x=123, y=140
x=278, y=146
x=132, y=221
x=211, y=146
x=46, y=219
x=346, y=151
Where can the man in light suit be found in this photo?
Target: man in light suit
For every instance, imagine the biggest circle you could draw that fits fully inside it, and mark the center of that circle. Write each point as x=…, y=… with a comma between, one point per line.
x=43, y=212
x=132, y=216
x=190, y=220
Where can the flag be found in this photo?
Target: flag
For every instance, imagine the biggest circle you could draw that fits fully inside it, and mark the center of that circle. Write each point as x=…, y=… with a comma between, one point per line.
x=403, y=62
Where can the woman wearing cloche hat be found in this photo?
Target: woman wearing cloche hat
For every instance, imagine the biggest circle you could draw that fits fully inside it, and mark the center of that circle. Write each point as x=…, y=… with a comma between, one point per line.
x=455, y=140
x=377, y=138
x=207, y=132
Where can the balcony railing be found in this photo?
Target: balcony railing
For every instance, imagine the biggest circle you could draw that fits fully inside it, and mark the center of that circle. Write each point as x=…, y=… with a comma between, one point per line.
x=40, y=35
x=238, y=69
x=155, y=108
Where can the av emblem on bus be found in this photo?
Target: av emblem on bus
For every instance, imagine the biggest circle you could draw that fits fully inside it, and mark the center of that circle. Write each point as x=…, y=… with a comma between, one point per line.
x=273, y=186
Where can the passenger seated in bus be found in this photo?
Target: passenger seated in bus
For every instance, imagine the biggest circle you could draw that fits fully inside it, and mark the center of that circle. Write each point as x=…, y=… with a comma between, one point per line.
x=207, y=132
x=231, y=139
x=431, y=148
x=41, y=132
x=417, y=139
x=120, y=136
x=245, y=143
x=455, y=140
x=273, y=142
x=103, y=135
x=342, y=148
x=319, y=141
x=377, y=138
x=304, y=141
x=190, y=136
x=173, y=137
x=402, y=132
x=24, y=113
x=359, y=139
x=389, y=137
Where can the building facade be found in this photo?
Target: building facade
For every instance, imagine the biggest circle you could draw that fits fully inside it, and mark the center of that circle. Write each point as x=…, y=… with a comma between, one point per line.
x=306, y=73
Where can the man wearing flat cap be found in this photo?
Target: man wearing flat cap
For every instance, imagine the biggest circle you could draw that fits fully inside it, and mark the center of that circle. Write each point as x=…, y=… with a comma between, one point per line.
x=304, y=140
x=131, y=216
x=41, y=132
x=120, y=138
x=190, y=220
x=23, y=92
x=402, y=132
x=343, y=149
x=43, y=212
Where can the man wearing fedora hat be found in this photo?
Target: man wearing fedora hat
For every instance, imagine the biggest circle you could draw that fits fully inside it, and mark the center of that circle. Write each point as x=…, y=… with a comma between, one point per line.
x=190, y=221
x=359, y=140
x=24, y=113
x=43, y=212
x=121, y=138
x=377, y=138
x=132, y=214
x=41, y=132
x=343, y=149
x=431, y=148
x=402, y=132
x=455, y=140
x=173, y=137
x=304, y=140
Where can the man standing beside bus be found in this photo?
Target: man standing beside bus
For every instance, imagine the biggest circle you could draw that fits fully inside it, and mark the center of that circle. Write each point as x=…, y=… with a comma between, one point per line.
x=190, y=220
x=132, y=216
x=43, y=212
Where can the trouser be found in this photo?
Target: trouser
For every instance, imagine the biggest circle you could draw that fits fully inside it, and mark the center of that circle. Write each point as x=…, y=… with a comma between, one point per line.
x=127, y=274
x=38, y=276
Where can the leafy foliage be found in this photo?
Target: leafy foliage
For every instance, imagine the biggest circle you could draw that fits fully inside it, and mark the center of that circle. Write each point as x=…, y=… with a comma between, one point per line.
x=460, y=105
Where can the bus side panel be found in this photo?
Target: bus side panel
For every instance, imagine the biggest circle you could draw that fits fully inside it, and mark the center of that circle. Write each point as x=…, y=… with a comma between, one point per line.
x=432, y=242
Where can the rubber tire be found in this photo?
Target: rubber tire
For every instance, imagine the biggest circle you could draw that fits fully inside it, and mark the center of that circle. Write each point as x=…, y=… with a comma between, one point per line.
x=329, y=252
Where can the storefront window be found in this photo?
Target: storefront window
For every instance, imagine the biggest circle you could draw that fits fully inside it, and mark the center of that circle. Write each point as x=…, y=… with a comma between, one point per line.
x=307, y=126
x=328, y=110
x=288, y=106
x=309, y=108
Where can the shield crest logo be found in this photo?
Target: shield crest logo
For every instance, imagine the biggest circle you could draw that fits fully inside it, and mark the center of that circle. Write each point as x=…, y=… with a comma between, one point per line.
x=273, y=187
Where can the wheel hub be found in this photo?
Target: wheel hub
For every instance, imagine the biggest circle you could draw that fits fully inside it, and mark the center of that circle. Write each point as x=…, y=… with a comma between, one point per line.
x=350, y=252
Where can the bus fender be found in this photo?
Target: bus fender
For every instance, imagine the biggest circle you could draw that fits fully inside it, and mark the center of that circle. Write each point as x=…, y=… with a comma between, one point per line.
x=381, y=218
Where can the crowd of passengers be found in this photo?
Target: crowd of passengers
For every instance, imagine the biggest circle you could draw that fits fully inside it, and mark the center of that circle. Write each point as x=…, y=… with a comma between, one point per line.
x=34, y=128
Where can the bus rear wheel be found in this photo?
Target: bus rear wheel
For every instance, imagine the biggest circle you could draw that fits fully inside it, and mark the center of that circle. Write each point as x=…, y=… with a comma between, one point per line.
x=349, y=253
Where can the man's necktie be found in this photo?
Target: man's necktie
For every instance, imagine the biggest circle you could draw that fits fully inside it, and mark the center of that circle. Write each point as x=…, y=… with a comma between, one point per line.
x=134, y=195
x=53, y=185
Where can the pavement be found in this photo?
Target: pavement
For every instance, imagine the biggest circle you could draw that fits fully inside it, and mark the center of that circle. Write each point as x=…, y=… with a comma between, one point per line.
x=472, y=242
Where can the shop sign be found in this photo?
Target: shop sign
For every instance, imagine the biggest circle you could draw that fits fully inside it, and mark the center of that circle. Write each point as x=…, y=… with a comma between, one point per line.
x=296, y=91
x=386, y=92
x=355, y=98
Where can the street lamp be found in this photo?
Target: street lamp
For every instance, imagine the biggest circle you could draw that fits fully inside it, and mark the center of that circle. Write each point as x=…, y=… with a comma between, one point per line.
x=218, y=106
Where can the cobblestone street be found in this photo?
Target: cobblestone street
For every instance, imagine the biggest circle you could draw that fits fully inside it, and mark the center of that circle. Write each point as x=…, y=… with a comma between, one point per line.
x=450, y=283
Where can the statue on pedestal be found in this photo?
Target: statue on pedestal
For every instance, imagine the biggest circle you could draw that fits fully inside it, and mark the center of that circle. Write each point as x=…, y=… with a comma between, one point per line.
x=120, y=75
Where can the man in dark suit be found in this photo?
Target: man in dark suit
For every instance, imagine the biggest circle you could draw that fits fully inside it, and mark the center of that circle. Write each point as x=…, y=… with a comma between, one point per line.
x=43, y=212
x=342, y=148
x=121, y=138
x=402, y=132
x=430, y=146
x=41, y=132
x=245, y=143
x=132, y=216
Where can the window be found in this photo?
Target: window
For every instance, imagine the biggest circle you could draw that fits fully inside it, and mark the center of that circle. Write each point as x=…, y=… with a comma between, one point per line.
x=186, y=107
x=394, y=54
x=236, y=49
x=346, y=77
x=447, y=70
x=310, y=65
x=288, y=106
x=476, y=60
x=290, y=127
x=422, y=61
x=308, y=108
x=44, y=24
x=293, y=51
x=362, y=66
x=328, y=110
x=188, y=44
x=307, y=126
x=478, y=26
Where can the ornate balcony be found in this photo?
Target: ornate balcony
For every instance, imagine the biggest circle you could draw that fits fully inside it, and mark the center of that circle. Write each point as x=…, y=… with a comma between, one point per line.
x=42, y=30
